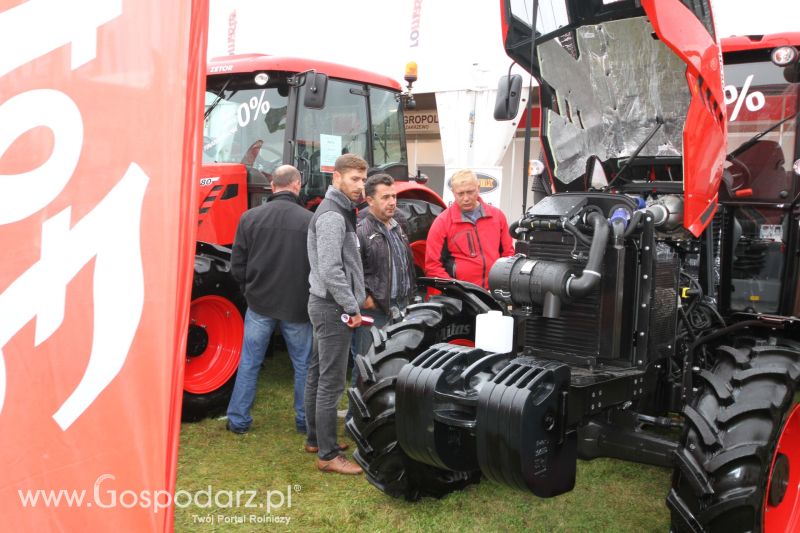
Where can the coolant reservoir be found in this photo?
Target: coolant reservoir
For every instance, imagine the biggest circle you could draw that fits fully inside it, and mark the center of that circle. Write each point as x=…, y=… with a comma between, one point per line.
x=494, y=332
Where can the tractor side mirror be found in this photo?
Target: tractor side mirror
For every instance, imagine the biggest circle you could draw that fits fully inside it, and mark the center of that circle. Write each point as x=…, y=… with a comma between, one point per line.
x=596, y=173
x=316, y=87
x=509, y=92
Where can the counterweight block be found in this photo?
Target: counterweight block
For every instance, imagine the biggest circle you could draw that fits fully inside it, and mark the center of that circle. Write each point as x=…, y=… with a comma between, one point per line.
x=461, y=409
x=521, y=431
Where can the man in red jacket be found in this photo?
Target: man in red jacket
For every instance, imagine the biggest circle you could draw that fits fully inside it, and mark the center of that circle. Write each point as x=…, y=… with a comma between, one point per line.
x=468, y=237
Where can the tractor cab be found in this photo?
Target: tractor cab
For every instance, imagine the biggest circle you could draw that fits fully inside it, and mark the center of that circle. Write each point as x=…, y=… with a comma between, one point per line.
x=762, y=77
x=264, y=111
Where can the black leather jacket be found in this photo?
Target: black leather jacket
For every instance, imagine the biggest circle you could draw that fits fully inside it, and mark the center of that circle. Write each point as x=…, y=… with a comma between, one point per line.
x=377, y=260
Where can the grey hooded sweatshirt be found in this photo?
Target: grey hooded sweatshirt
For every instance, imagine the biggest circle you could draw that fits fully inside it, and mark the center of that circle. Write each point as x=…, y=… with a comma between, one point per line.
x=333, y=253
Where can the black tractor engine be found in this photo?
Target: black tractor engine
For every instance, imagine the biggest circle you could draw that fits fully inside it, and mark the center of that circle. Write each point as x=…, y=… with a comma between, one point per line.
x=590, y=285
x=594, y=301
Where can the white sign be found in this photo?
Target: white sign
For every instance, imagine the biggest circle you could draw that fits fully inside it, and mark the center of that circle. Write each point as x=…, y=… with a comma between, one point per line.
x=330, y=147
x=421, y=121
x=490, y=180
x=772, y=232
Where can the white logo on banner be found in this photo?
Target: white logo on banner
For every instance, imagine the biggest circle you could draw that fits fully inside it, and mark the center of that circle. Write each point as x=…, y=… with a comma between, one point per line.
x=109, y=233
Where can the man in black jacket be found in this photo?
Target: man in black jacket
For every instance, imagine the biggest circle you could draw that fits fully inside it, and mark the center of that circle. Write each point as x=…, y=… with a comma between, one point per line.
x=270, y=262
x=389, y=277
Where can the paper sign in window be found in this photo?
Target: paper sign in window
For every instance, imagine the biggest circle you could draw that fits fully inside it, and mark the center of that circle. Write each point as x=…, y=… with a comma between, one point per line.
x=330, y=149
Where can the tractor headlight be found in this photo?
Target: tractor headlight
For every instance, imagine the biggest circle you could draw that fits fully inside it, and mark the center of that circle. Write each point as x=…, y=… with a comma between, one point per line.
x=784, y=55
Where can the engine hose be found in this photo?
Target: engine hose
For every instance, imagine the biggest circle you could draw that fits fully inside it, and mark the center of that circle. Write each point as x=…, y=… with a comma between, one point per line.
x=570, y=227
x=633, y=224
x=590, y=277
x=531, y=223
x=618, y=229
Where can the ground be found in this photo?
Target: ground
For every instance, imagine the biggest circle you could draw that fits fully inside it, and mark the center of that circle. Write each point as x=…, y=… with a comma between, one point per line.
x=276, y=481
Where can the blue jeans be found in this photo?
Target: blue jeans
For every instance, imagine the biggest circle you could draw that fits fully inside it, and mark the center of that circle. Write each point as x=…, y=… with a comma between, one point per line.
x=257, y=333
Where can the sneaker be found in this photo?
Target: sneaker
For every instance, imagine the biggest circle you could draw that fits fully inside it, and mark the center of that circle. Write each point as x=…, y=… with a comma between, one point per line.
x=232, y=429
x=339, y=465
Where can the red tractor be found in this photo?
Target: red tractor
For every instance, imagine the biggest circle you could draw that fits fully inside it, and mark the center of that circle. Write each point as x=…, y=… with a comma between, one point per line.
x=261, y=112
x=653, y=292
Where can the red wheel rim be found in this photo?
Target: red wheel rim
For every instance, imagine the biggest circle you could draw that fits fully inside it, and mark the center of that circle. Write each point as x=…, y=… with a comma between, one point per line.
x=785, y=515
x=223, y=326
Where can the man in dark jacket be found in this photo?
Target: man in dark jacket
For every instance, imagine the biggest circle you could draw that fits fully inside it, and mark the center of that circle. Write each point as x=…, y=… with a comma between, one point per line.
x=385, y=253
x=337, y=289
x=389, y=277
x=270, y=262
x=468, y=237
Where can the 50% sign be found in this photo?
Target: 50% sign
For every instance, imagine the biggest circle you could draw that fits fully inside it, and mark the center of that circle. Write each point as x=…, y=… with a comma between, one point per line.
x=250, y=109
x=752, y=100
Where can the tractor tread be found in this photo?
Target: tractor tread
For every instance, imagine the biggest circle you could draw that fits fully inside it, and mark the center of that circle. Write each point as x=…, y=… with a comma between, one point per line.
x=721, y=388
x=741, y=357
x=789, y=374
x=707, y=431
x=724, y=456
x=373, y=427
x=733, y=454
x=693, y=472
x=681, y=511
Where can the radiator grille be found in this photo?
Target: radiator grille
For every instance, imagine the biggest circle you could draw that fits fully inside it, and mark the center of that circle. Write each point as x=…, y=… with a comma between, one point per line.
x=664, y=309
x=576, y=331
x=600, y=327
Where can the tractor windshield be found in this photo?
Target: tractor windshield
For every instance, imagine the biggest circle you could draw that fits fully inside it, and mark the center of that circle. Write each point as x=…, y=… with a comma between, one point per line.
x=357, y=119
x=762, y=104
x=245, y=125
x=760, y=94
x=264, y=126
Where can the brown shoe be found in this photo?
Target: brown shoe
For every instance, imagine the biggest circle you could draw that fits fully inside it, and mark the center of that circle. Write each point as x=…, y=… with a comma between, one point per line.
x=340, y=465
x=314, y=449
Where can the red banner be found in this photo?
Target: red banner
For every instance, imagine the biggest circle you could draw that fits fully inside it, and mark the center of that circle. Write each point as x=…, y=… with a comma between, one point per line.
x=100, y=104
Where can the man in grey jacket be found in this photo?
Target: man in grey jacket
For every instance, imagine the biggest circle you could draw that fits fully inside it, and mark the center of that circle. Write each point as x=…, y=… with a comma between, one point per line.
x=336, y=289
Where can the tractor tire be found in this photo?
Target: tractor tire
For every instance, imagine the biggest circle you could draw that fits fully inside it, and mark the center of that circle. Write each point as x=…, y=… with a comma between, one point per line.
x=214, y=345
x=738, y=462
x=416, y=217
x=385, y=463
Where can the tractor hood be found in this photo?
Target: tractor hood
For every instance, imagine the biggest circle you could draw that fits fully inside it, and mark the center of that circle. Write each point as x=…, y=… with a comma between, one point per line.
x=610, y=73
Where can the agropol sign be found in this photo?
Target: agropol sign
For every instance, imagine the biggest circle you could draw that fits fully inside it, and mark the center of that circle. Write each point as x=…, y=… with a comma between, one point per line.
x=421, y=121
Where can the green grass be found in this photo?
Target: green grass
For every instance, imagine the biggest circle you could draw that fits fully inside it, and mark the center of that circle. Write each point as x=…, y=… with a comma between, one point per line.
x=609, y=495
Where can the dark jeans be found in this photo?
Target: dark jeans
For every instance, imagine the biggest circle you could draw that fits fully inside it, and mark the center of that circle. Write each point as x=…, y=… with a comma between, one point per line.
x=327, y=372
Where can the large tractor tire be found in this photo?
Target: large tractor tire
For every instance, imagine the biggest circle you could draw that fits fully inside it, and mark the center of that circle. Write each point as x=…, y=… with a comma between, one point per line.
x=738, y=463
x=386, y=465
x=416, y=217
x=214, y=344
